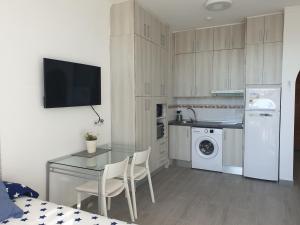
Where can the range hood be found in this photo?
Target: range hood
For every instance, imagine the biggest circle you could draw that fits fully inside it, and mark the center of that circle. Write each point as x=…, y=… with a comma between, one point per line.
x=228, y=93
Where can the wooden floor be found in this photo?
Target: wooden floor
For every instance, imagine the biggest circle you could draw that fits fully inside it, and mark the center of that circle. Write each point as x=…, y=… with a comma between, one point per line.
x=195, y=197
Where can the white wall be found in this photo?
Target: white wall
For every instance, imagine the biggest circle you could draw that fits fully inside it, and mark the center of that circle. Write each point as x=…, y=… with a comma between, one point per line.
x=291, y=68
x=73, y=30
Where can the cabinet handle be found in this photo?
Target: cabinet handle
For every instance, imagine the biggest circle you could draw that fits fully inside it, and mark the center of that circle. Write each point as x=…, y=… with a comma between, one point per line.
x=148, y=31
x=261, y=36
x=145, y=30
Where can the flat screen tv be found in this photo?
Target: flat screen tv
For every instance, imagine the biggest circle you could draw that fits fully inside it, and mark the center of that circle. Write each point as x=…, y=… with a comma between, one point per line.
x=69, y=84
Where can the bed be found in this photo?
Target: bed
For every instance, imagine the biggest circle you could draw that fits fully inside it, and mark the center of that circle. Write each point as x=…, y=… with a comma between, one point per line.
x=38, y=212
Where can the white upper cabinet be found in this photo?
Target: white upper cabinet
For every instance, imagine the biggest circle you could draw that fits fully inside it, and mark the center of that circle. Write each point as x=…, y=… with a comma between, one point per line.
x=272, y=63
x=204, y=39
x=254, y=64
x=185, y=42
x=222, y=37
x=221, y=65
x=265, y=29
x=122, y=19
x=255, y=30
x=164, y=71
x=273, y=28
x=156, y=70
x=204, y=73
x=164, y=36
x=237, y=69
x=155, y=30
x=139, y=21
x=184, y=80
x=238, y=36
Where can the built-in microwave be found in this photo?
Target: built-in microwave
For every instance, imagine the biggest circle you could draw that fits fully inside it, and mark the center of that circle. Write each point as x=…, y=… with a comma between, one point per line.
x=159, y=110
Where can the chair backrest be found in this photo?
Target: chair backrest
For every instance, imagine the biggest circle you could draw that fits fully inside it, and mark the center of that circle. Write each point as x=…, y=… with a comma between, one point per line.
x=116, y=170
x=141, y=157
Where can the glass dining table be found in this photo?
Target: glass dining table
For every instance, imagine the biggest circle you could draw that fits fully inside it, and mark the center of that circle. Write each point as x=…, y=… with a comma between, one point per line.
x=87, y=166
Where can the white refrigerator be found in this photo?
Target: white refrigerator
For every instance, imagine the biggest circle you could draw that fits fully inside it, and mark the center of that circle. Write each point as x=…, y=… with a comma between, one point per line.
x=262, y=118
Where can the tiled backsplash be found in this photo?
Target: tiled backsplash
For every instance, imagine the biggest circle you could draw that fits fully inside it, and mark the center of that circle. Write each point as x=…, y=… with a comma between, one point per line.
x=210, y=109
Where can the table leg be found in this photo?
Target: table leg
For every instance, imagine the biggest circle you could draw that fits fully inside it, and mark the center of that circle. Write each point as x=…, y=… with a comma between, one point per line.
x=99, y=195
x=47, y=182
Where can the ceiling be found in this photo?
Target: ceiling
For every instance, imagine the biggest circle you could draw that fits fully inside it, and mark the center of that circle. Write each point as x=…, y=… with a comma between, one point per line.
x=186, y=14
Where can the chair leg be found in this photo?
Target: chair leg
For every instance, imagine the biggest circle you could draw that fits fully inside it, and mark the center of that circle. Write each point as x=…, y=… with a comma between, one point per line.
x=78, y=200
x=129, y=201
x=133, y=198
x=150, y=186
x=104, y=210
x=108, y=203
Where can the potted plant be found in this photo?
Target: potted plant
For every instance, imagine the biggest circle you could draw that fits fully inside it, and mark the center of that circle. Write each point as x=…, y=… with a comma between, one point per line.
x=91, y=142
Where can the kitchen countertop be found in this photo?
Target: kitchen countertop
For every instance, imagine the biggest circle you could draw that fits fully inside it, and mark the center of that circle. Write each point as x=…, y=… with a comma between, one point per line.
x=209, y=124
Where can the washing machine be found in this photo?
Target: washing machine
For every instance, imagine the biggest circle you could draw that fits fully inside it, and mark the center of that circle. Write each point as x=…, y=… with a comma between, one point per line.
x=207, y=149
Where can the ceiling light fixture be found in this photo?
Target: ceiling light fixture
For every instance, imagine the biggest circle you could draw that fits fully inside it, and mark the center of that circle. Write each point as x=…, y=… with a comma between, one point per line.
x=218, y=5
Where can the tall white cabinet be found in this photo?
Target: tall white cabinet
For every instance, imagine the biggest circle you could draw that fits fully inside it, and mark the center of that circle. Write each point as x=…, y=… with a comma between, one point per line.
x=139, y=70
x=264, y=37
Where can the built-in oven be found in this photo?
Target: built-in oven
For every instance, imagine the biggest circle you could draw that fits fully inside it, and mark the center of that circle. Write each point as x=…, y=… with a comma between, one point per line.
x=160, y=130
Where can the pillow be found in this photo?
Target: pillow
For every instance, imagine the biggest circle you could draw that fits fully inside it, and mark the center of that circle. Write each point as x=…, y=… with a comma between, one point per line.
x=8, y=209
x=16, y=190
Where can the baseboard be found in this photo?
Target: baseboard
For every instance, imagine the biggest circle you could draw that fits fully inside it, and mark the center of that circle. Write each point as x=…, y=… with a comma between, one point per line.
x=181, y=163
x=233, y=170
x=286, y=182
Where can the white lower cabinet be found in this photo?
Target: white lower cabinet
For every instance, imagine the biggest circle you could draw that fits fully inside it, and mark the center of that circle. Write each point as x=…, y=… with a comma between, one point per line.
x=233, y=147
x=180, y=142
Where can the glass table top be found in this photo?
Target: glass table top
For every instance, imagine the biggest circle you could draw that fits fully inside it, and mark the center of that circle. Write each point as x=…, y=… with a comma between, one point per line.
x=107, y=154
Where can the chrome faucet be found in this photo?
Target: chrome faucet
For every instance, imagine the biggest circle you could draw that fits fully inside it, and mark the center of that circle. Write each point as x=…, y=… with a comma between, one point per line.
x=194, y=112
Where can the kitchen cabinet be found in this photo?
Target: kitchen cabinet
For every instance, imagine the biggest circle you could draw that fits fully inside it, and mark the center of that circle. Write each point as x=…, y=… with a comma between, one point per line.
x=143, y=124
x=221, y=64
x=228, y=70
x=164, y=71
x=204, y=39
x=180, y=143
x=233, y=147
x=184, y=80
x=164, y=39
x=238, y=36
x=273, y=28
x=255, y=30
x=237, y=70
x=254, y=64
x=265, y=29
x=136, y=76
x=222, y=38
x=185, y=42
x=264, y=63
x=204, y=73
x=155, y=70
x=144, y=61
x=272, y=63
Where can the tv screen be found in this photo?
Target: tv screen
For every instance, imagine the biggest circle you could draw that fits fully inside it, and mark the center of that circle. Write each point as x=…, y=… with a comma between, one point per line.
x=69, y=84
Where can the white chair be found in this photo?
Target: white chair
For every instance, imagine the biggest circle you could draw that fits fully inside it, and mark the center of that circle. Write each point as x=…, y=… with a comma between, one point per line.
x=138, y=170
x=111, y=186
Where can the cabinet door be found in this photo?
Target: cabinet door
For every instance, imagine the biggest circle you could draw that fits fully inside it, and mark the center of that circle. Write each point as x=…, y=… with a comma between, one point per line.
x=184, y=81
x=164, y=71
x=255, y=30
x=156, y=77
x=238, y=36
x=121, y=17
x=254, y=64
x=185, y=42
x=155, y=30
x=147, y=25
x=143, y=118
x=233, y=147
x=164, y=36
x=237, y=69
x=180, y=143
x=222, y=38
x=274, y=28
x=140, y=63
x=221, y=70
x=272, y=63
x=204, y=39
x=204, y=73
x=139, y=20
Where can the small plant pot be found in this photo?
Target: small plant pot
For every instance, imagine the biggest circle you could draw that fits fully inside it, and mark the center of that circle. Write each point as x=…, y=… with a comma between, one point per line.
x=91, y=146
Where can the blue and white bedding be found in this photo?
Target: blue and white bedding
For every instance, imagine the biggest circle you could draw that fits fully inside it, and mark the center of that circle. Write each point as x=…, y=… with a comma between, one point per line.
x=37, y=212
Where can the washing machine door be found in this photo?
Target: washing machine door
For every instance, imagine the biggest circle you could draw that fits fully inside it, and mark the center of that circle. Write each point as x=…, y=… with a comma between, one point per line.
x=206, y=147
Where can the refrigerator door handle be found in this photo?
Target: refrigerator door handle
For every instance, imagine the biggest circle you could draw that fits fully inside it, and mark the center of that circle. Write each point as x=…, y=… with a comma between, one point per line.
x=266, y=114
